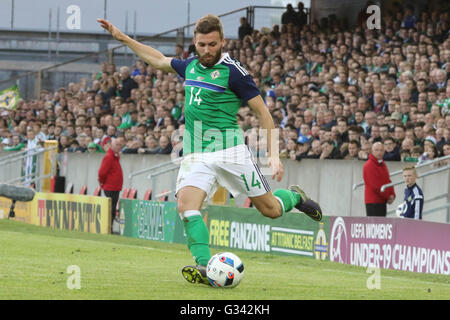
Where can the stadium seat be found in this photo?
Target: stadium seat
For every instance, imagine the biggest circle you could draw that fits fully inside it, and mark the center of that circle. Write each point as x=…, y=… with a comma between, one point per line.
x=83, y=190
x=165, y=196
x=248, y=203
x=148, y=194
x=97, y=191
x=125, y=193
x=132, y=194
x=69, y=188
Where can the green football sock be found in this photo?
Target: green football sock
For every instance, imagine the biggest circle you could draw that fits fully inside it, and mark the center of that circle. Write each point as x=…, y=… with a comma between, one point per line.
x=288, y=198
x=197, y=238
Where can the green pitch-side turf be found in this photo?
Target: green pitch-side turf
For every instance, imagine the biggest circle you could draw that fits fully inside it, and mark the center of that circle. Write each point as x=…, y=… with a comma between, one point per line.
x=34, y=262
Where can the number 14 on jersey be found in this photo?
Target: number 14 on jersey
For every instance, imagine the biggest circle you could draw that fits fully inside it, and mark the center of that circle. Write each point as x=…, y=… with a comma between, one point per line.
x=197, y=96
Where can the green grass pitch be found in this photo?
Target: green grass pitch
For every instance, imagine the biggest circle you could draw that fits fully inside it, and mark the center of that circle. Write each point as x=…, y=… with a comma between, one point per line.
x=34, y=264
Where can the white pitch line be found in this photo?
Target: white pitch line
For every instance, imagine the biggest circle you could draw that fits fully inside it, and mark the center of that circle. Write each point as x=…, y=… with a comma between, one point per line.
x=111, y=243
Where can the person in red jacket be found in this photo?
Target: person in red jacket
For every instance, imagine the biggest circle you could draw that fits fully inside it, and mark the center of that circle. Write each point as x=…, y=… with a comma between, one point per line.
x=110, y=175
x=376, y=174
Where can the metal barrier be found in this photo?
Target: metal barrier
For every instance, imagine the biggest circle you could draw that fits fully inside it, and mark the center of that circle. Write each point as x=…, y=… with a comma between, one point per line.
x=383, y=187
x=18, y=160
x=425, y=164
x=160, y=169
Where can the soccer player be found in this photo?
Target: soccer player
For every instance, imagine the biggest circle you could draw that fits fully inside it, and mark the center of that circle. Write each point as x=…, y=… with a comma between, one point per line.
x=413, y=204
x=213, y=145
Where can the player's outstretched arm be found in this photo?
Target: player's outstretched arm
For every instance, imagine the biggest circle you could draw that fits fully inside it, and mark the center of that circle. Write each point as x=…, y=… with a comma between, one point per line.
x=150, y=55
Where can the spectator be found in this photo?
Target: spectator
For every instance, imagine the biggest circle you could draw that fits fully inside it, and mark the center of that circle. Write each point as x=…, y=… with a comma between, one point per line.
x=32, y=145
x=407, y=144
x=302, y=17
x=164, y=146
x=376, y=174
x=94, y=148
x=366, y=148
x=410, y=19
x=82, y=143
x=315, y=151
x=245, y=29
x=110, y=176
x=303, y=147
x=352, y=151
x=64, y=143
x=291, y=148
x=133, y=146
x=151, y=146
x=431, y=153
x=126, y=83
x=17, y=144
x=289, y=16
x=392, y=151
x=354, y=133
x=415, y=153
x=329, y=151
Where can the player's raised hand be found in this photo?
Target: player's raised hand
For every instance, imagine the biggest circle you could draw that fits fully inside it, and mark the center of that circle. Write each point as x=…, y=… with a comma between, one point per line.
x=115, y=32
x=277, y=168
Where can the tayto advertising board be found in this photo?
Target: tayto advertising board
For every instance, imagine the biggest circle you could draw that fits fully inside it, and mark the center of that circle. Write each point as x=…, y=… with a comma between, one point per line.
x=247, y=229
x=399, y=244
x=72, y=212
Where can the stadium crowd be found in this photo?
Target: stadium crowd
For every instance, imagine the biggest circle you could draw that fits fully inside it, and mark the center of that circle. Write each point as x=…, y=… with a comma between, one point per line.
x=332, y=90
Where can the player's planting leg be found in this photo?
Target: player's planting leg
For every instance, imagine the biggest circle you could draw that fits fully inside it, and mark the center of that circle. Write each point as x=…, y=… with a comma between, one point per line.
x=198, y=243
x=189, y=203
x=197, y=237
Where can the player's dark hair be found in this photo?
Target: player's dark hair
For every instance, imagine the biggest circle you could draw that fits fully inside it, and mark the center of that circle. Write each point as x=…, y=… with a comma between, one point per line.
x=208, y=24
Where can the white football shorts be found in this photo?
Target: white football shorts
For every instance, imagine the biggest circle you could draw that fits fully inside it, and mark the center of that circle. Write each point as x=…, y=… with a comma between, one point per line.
x=233, y=168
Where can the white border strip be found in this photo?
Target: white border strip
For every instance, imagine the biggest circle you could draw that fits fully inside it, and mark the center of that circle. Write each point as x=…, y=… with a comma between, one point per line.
x=311, y=233
x=302, y=253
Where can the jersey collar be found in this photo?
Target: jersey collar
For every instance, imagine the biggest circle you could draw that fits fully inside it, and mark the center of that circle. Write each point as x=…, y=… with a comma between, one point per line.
x=223, y=57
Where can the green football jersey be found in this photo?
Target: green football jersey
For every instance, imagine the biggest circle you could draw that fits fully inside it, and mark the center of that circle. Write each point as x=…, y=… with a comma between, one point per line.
x=213, y=97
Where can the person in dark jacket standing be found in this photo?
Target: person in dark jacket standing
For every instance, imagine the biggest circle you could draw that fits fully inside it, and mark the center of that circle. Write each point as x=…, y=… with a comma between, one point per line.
x=289, y=16
x=376, y=174
x=126, y=83
x=412, y=206
x=110, y=175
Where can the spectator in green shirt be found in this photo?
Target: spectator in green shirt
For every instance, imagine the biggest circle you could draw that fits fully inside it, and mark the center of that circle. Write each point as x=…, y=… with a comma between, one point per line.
x=17, y=144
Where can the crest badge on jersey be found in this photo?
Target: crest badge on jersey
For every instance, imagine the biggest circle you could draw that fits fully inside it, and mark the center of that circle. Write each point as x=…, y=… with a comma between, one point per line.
x=215, y=74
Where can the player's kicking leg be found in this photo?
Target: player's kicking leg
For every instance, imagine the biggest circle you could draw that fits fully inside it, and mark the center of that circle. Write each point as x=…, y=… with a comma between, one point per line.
x=274, y=205
x=306, y=205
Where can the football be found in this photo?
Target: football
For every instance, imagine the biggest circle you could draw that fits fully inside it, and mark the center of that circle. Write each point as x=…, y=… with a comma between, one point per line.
x=225, y=270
